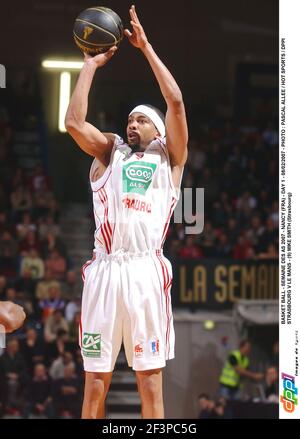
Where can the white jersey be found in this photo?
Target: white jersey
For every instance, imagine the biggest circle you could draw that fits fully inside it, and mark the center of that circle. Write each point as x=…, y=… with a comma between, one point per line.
x=134, y=199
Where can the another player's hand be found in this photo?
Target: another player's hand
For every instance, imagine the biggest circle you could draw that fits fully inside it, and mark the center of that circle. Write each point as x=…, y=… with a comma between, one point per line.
x=12, y=316
x=101, y=59
x=137, y=37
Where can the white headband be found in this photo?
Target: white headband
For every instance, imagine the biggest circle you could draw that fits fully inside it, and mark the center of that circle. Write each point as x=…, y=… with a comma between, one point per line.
x=147, y=111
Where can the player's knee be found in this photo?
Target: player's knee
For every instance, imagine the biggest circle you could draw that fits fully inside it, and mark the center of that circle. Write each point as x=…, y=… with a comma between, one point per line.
x=96, y=387
x=151, y=388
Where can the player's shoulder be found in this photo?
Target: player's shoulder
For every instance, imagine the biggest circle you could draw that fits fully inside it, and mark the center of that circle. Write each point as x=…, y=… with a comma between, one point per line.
x=120, y=145
x=157, y=145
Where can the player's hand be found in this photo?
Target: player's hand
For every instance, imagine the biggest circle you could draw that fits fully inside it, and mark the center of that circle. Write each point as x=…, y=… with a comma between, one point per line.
x=12, y=316
x=101, y=59
x=137, y=37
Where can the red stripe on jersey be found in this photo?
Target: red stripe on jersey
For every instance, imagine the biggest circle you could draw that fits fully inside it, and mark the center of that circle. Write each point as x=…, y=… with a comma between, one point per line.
x=168, y=221
x=166, y=278
x=103, y=183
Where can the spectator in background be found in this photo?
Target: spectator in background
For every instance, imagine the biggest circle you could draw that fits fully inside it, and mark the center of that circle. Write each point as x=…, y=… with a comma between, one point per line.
x=8, y=254
x=71, y=288
x=178, y=231
x=53, y=303
x=32, y=349
x=74, y=325
x=48, y=226
x=32, y=266
x=42, y=290
x=255, y=232
x=270, y=135
x=38, y=394
x=53, y=324
x=45, y=204
x=66, y=396
x=25, y=226
x=18, y=179
x=234, y=370
x=274, y=214
x=208, y=239
x=245, y=202
x=56, y=264
x=205, y=406
x=4, y=223
x=4, y=198
x=233, y=231
x=58, y=346
x=190, y=250
x=8, y=245
x=13, y=368
x=197, y=156
x=223, y=248
x=271, y=386
x=243, y=248
x=56, y=370
x=270, y=235
x=20, y=201
x=173, y=249
x=210, y=185
x=3, y=286
x=53, y=209
x=29, y=242
x=39, y=180
x=270, y=253
x=52, y=243
x=72, y=308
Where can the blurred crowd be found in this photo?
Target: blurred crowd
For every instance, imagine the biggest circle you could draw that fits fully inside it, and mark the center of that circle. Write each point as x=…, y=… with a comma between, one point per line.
x=238, y=168
x=41, y=367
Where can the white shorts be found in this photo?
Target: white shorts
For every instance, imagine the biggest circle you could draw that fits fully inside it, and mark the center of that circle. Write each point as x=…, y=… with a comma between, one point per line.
x=126, y=298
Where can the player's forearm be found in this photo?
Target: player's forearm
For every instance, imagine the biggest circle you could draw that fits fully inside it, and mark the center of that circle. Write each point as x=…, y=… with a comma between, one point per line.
x=168, y=86
x=77, y=110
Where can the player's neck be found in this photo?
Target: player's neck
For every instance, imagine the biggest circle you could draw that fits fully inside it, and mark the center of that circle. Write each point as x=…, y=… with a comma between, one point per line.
x=137, y=148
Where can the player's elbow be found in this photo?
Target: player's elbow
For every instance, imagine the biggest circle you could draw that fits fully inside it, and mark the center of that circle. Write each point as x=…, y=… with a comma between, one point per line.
x=175, y=99
x=71, y=125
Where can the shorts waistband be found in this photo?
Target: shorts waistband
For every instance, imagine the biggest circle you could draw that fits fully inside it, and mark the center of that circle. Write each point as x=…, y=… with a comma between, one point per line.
x=121, y=254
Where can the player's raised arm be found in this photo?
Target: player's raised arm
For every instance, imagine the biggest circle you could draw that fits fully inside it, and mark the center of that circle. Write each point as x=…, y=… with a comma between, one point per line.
x=88, y=137
x=176, y=125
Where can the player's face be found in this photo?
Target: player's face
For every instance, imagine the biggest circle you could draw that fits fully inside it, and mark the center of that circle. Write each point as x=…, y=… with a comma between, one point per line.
x=140, y=130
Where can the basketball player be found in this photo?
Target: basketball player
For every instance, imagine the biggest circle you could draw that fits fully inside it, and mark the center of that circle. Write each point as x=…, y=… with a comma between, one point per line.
x=126, y=295
x=12, y=316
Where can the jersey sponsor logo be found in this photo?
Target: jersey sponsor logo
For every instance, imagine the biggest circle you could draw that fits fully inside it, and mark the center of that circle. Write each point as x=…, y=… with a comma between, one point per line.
x=91, y=345
x=132, y=203
x=154, y=346
x=137, y=176
x=139, y=350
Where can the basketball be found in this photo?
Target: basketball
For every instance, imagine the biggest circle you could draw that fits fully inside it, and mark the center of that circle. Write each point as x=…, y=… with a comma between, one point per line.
x=97, y=29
